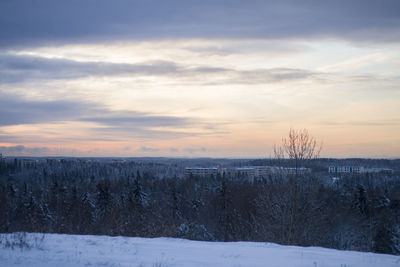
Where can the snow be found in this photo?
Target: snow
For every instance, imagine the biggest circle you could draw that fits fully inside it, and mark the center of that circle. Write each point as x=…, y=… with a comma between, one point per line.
x=80, y=250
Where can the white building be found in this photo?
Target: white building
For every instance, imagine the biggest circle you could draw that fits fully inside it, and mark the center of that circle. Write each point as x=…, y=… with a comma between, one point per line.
x=356, y=169
x=346, y=169
x=247, y=172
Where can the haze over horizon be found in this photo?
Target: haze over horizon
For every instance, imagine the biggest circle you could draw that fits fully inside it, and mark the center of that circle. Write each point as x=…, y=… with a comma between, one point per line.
x=198, y=79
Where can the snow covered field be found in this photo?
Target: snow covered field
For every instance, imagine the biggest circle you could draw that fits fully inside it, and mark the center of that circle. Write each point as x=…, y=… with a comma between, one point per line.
x=73, y=250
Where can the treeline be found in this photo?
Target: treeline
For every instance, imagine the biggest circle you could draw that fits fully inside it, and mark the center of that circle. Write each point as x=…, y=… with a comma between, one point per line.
x=354, y=213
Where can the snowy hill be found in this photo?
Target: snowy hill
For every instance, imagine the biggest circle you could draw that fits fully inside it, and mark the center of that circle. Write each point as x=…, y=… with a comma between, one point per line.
x=73, y=250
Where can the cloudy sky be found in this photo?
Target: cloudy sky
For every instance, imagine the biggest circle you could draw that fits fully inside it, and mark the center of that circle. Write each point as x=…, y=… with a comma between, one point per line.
x=198, y=78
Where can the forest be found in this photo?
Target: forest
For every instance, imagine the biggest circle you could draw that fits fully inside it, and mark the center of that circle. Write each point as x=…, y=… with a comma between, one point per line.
x=152, y=198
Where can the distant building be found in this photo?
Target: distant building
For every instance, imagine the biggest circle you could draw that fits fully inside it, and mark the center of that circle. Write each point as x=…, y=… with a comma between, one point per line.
x=356, y=169
x=248, y=172
x=346, y=169
x=28, y=163
x=201, y=172
x=266, y=170
x=118, y=161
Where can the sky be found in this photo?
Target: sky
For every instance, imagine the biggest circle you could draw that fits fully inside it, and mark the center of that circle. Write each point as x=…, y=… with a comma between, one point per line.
x=198, y=78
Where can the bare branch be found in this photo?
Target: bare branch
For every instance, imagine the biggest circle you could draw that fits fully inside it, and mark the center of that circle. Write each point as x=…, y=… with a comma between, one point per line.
x=299, y=145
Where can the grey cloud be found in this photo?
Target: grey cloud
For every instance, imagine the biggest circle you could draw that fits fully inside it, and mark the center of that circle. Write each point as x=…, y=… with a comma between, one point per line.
x=128, y=124
x=273, y=75
x=20, y=150
x=272, y=47
x=136, y=132
x=137, y=118
x=209, y=70
x=16, y=110
x=148, y=149
x=139, y=132
x=256, y=76
x=18, y=68
x=192, y=150
x=59, y=137
x=113, y=125
x=375, y=77
x=49, y=22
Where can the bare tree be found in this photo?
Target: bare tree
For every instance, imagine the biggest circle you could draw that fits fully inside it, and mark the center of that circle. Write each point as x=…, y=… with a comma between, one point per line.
x=298, y=147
